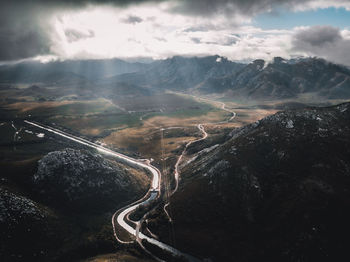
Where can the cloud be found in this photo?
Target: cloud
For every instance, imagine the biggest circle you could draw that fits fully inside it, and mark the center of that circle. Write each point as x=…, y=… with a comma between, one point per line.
x=318, y=36
x=323, y=41
x=249, y=8
x=33, y=28
x=74, y=35
x=26, y=30
x=132, y=19
x=22, y=33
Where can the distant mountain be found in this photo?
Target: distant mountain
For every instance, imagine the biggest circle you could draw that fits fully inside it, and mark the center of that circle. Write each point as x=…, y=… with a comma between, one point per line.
x=258, y=80
x=87, y=70
x=276, y=190
x=284, y=79
x=212, y=74
x=182, y=73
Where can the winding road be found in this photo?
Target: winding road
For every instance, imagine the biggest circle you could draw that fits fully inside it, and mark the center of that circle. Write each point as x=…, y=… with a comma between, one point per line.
x=176, y=171
x=204, y=136
x=121, y=215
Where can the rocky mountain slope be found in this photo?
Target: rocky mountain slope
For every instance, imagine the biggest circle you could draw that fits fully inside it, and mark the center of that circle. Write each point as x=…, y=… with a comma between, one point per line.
x=21, y=221
x=63, y=209
x=260, y=79
x=284, y=79
x=75, y=178
x=278, y=79
x=276, y=190
x=181, y=73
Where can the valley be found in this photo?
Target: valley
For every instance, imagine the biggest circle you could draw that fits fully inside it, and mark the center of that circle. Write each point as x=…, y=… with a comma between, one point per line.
x=161, y=168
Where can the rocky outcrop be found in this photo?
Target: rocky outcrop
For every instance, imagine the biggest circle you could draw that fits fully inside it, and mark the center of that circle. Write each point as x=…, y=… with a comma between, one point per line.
x=21, y=221
x=13, y=207
x=63, y=212
x=80, y=178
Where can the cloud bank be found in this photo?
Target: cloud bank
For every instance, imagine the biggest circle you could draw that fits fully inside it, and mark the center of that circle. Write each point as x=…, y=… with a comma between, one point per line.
x=78, y=29
x=323, y=41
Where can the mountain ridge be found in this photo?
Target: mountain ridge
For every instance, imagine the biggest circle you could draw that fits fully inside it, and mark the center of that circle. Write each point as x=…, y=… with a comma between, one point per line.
x=276, y=190
x=278, y=79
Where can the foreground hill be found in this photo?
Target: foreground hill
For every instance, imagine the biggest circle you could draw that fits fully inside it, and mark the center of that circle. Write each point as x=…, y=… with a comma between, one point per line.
x=61, y=211
x=276, y=190
x=72, y=178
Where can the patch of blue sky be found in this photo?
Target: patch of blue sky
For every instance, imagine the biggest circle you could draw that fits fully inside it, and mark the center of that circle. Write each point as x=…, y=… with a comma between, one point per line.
x=286, y=19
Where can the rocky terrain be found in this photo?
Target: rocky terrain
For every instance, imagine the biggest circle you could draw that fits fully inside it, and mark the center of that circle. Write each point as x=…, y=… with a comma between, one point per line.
x=277, y=79
x=284, y=79
x=276, y=190
x=63, y=212
x=75, y=178
x=181, y=73
x=21, y=221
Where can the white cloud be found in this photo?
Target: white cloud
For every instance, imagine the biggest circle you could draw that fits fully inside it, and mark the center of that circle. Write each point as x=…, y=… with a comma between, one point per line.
x=160, y=34
x=316, y=4
x=157, y=29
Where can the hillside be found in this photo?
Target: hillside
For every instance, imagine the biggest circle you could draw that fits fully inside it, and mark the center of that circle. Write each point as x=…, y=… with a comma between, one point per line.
x=276, y=190
x=61, y=208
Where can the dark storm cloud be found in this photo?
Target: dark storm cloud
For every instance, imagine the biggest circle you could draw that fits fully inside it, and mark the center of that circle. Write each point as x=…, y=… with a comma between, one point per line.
x=232, y=7
x=323, y=41
x=24, y=44
x=22, y=33
x=24, y=28
x=317, y=36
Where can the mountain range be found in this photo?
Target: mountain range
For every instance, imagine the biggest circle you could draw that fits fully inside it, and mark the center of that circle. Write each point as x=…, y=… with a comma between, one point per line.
x=278, y=79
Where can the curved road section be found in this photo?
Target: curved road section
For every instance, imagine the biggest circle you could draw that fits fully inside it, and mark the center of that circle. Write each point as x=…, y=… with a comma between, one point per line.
x=152, y=194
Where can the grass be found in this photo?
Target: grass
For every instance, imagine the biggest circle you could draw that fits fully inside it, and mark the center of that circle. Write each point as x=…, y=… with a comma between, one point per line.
x=66, y=108
x=98, y=124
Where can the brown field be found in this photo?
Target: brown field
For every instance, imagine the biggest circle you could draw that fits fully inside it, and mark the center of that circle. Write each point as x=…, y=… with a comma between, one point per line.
x=166, y=121
x=28, y=106
x=246, y=116
x=65, y=106
x=145, y=142
x=137, y=132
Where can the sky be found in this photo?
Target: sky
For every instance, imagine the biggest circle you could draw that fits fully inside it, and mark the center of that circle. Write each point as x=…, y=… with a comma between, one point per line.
x=241, y=30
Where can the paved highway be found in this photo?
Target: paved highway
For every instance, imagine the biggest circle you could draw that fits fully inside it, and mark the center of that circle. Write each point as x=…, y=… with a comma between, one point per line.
x=152, y=194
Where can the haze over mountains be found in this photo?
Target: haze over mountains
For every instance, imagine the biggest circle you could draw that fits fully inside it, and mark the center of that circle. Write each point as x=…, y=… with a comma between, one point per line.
x=259, y=79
